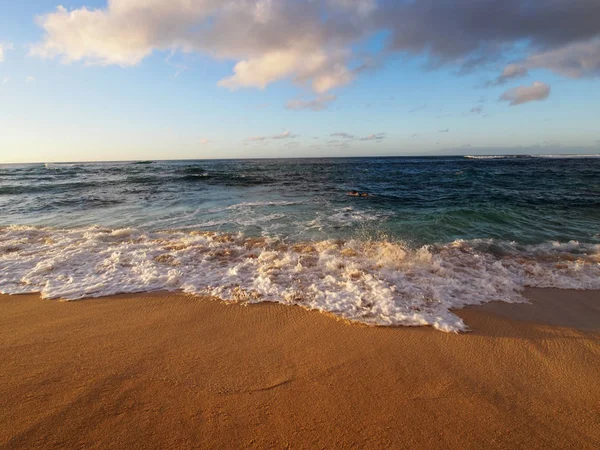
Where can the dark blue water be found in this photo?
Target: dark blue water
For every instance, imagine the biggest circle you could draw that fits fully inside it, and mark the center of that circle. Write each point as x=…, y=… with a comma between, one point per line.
x=528, y=200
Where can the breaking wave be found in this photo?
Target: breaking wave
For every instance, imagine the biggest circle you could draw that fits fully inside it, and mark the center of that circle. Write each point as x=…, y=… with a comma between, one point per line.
x=376, y=282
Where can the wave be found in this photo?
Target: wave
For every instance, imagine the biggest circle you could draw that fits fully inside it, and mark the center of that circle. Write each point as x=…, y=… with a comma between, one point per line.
x=496, y=156
x=46, y=187
x=244, y=205
x=193, y=170
x=565, y=156
x=225, y=178
x=59, y=166
x=530, y=156
x=374, y=282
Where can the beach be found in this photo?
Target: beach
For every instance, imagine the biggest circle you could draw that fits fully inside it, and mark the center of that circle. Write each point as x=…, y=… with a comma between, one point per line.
x=170, y=370
x=324, y=224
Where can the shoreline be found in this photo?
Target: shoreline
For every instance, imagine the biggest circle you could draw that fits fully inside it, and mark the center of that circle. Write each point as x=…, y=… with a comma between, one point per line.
x=174, y=370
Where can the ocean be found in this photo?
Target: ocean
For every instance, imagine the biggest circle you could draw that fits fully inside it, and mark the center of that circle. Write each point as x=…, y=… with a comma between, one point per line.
x=432, y=234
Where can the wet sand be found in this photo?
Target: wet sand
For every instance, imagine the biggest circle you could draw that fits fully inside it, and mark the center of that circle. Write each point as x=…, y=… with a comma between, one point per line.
x=174, y=371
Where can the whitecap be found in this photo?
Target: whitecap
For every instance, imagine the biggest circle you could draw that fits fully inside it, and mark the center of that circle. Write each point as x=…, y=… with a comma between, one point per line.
x=374, y=282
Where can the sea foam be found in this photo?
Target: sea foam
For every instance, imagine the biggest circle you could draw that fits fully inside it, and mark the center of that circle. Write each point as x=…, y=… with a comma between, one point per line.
x=374, y=282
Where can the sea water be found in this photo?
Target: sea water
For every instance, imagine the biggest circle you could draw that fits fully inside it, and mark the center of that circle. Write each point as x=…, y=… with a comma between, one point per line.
x=432, y=235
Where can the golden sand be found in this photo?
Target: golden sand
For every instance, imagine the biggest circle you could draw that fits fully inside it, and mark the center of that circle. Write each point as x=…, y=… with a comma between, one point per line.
x=175, y=371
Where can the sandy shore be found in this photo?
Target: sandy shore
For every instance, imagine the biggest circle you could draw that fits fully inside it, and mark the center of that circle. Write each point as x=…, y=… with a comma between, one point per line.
x=173, y=371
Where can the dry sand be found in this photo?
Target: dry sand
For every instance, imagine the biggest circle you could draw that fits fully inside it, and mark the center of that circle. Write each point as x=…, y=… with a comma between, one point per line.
x=173, y=371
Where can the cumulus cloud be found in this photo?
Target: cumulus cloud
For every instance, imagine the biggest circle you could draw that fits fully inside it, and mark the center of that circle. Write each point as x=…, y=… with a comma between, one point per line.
x=269, y=40
x=523, y=94
x=312, y=42
x=317, y=104
x=275, y=137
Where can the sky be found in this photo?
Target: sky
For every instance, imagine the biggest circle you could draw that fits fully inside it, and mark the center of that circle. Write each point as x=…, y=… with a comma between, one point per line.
x=92, y=80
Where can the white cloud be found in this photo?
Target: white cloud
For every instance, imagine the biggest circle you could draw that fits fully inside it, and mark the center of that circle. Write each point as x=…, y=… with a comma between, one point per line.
x=373, y=137
x=317, y=104
x=322, y=70
x=270, y=40
x=179, y=69
x=205, y=141
x=257, y=139
x=4, y=47
x=30, y=79
x=336, y=143
x=284, y=135
x=102, y=37
x=311, y=42
x=523, y=94
x=275, y=137
x=343, y=135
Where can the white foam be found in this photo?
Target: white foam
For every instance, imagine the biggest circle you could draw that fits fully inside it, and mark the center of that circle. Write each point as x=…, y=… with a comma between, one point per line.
x=565, y=156
x=51, y=166
x=572, y=156
x=349, y=215
x=489, y=156
x=262, y=204
x=373, y=282
x=249, y=206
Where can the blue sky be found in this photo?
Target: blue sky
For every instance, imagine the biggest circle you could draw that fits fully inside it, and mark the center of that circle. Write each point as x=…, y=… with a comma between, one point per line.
x=66, y=103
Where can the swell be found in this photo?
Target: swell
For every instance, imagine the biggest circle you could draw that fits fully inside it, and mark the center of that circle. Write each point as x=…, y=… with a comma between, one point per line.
x=46, y=187
x=226, y=179
x=46, y=184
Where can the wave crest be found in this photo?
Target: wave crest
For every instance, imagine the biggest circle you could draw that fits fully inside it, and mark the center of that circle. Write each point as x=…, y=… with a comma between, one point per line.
x=373, y=282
